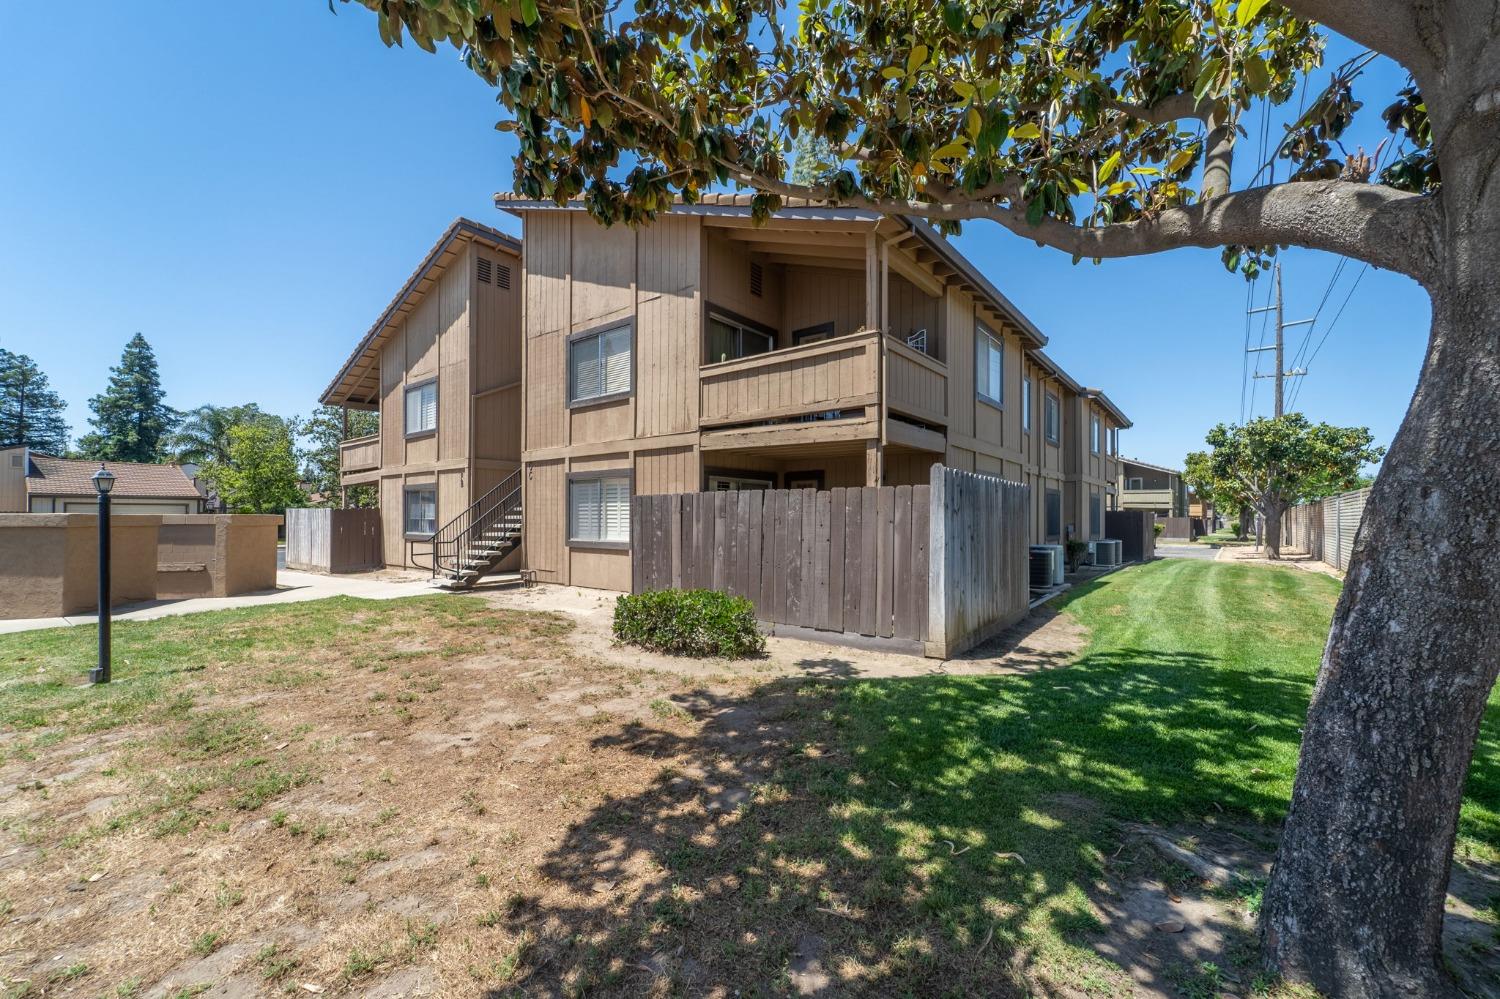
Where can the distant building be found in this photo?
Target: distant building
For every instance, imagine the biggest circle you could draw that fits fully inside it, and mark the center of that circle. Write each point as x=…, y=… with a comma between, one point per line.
x=1152, y=487
x=39, y=483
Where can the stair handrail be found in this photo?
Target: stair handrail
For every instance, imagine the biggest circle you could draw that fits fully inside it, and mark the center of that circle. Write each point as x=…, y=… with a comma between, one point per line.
x=452, y=539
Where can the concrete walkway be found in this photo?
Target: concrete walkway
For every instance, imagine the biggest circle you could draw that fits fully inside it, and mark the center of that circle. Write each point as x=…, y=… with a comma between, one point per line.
x=291, y=587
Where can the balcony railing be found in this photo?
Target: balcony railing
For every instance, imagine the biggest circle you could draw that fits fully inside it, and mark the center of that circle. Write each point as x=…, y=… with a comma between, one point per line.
x=916, y=385
x=1145, y=498
x=359, y=454
x=825, y=377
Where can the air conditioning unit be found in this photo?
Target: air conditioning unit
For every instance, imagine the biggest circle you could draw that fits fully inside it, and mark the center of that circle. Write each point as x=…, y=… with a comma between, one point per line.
x=1108, y=552
x=1091, y=556
x=1047, y=565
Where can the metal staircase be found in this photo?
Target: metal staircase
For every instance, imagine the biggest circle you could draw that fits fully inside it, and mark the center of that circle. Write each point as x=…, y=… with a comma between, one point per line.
x=472, y=545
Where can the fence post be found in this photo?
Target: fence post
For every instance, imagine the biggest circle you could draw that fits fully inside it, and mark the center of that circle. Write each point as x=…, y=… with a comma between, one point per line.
x=937, y=564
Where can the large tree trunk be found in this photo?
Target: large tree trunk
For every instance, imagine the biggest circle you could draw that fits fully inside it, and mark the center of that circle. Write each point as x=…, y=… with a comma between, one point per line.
x=1271, y=514
x=1355, y=903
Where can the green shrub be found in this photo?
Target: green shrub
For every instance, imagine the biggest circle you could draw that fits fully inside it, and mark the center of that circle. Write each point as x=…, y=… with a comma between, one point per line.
x=1234, y=528
x=689, y=623
x=1159, y=528
x=1076, y=550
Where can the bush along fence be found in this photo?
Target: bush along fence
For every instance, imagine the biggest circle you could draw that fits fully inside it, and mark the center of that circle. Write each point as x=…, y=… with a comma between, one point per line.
x=931, y=569
x=1325, y=529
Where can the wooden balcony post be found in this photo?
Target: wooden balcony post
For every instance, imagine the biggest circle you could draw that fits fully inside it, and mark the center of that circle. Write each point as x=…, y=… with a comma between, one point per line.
x=874, y=463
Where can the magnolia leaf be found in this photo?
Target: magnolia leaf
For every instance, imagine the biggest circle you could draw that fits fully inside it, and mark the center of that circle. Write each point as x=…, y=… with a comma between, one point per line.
x=1246, y=11
x=585, y=112
x=975, y=123
x=1257, y=74
x=529, y=13
x=1118, y=187
x=964, y=90
x=893, y=73
x=1181, y=161
x=1110, y=166
x=1147, y=171
x=916, y=59
x=952, y=150
x=1026, y=131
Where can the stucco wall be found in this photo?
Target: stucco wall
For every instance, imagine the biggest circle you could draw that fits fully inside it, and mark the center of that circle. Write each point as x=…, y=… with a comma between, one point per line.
x=216, y=555
x=49, y=563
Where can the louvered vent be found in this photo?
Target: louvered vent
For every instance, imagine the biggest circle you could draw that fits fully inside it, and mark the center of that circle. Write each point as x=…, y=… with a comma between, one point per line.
x=757, y=280
x=502, y=277
x=484, y=270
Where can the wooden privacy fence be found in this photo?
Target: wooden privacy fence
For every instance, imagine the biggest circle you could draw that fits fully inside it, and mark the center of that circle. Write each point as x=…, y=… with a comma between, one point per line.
x=925, y=568
x=1326, y=529
x=327, y=540
x=1136, y=530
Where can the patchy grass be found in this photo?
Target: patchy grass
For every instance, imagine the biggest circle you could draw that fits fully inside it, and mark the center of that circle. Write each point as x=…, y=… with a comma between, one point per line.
x=450, y=787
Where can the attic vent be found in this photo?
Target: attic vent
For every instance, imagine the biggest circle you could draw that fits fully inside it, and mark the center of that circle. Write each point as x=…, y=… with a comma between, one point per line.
x=484, y=270
x=15, y=461
x=757, y=280
x=502, y=277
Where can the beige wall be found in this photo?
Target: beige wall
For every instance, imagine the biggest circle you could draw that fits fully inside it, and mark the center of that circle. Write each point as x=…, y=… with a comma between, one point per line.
x=216, y=555
x=13, y=480
x=49, y=563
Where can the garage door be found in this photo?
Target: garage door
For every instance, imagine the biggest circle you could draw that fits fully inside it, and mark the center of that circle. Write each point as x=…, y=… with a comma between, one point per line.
x=127, y=506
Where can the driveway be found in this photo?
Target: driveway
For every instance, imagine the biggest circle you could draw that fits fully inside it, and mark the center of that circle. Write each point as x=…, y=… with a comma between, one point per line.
x=1179, y=550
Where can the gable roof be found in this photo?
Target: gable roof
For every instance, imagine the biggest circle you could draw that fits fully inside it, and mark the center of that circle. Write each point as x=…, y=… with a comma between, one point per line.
x=1154, y=468
x=739, y=206
x=357, y=384
x=49, y=476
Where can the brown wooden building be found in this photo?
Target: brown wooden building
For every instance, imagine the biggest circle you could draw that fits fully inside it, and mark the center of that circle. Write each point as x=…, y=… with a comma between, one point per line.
x=827, y=348
x=442, y=367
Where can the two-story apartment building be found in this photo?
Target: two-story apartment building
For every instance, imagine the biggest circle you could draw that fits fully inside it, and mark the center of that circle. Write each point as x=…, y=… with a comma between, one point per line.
x=442, y=367
x=1155, y=488
x=825, y=348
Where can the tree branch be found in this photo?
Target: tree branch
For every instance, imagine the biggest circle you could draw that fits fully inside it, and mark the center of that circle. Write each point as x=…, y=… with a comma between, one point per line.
x=1174, y=107
x=1391, y=27
x=1369, y=222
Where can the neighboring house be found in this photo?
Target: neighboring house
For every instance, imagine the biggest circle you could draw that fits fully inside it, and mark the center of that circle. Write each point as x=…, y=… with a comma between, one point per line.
x=39, y=483
x=825, y=348
x=442, y=366
x=1159, y=490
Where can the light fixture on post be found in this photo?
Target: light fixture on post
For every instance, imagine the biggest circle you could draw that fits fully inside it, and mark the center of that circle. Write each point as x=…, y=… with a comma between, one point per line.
x=104, y=481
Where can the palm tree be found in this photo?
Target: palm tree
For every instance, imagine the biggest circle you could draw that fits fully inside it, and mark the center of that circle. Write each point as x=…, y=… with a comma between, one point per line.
x=204, y=434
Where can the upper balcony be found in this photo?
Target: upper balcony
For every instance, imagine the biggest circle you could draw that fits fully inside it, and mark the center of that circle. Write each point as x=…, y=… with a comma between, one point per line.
x=359, y=454
x=1145, y=499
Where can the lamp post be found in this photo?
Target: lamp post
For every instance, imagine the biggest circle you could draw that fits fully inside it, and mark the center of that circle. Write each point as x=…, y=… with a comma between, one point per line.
x=104, y=481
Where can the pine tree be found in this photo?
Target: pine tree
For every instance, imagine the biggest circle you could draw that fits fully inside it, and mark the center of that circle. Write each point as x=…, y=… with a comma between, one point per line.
x=31, y=414
x=131, y=421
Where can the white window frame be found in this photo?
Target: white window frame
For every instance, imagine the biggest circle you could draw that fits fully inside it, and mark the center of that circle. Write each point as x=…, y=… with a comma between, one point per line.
x=1096, y=433
x=616, y=370
x=417, y=392
x=1026, y=397
x=1135, y=483
x=406, y=505
x=1052, y=419
x=989, y=345
x=610, y=528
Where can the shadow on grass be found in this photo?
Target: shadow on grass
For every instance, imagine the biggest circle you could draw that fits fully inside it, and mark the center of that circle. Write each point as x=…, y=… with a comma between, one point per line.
x=932, y=836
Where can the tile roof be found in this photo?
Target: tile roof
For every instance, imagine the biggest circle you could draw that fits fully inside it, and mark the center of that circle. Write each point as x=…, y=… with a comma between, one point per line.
x=49, y=476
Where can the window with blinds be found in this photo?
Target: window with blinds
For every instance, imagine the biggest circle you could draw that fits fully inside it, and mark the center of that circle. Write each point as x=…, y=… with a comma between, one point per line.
x=599, y=510
x=421, y=510
x=989, y=366
x=599, y=365
x=421, y=408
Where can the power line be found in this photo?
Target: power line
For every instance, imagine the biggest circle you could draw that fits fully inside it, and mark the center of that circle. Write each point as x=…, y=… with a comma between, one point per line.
x=1332, y=323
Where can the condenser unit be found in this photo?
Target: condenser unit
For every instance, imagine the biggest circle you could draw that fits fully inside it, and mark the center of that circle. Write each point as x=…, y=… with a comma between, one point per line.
x=1108, y=552
x=1047, y=565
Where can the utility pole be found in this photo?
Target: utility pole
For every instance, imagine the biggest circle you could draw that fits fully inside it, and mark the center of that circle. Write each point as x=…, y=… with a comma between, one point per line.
x=1281, y=374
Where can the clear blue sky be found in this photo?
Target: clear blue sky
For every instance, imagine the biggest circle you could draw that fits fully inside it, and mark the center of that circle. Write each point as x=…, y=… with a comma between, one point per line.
x=248, y=186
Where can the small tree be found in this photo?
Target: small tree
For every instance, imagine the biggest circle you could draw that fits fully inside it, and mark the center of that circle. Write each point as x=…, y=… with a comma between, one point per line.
x=1224, y=494
x=261, y=474
x=324, y=431
x=31, y=414
x=1274, y=462
x=131, y=419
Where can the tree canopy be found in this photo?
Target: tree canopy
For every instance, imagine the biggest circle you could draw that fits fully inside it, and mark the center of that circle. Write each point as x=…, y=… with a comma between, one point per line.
x=261, y=473
x=203, y=434
x=1273, y=462
x=1102, y=128
x=324, y=431
x=131, y=418
x=31, y=414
